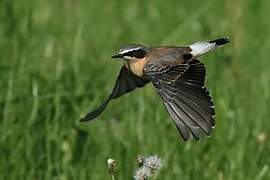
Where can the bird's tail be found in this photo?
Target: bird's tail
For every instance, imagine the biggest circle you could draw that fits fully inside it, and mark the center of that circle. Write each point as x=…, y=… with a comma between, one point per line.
x=201, y=48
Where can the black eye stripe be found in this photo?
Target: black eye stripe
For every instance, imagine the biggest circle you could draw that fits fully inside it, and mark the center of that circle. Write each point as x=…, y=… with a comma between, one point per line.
x=140, y=53
x=130, y=53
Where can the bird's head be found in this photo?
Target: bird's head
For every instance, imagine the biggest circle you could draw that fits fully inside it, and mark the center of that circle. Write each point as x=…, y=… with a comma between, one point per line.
x=131, y=52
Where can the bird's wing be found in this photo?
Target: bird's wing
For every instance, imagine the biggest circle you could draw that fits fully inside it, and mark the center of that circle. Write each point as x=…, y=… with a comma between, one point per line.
x=182, y=90
x=125, y=83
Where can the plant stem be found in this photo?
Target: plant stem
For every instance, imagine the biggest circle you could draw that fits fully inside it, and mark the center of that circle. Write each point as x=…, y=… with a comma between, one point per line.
x=112, y=176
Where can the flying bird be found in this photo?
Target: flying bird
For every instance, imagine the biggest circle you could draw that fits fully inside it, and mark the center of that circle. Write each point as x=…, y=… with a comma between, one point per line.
x=178, y=77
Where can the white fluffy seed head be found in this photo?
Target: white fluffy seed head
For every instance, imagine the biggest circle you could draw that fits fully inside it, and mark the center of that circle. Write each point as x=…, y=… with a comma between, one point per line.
x=153, y=163
x=142, y=173
x=111, y=166
x=110, y=161
x=150, y=167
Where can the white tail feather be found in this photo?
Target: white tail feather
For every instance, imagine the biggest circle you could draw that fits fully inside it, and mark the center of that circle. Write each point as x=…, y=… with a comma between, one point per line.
x=200, y=48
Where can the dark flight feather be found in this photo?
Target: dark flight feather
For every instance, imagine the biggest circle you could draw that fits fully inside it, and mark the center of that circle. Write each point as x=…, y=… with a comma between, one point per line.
x=125, y=83
x=182, y=90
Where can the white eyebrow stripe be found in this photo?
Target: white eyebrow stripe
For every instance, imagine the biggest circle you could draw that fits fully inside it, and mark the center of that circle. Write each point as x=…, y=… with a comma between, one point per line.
x=128, y=50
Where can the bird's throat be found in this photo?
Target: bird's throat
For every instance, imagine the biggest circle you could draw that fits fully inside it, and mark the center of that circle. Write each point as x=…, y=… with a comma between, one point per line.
x=136, y=66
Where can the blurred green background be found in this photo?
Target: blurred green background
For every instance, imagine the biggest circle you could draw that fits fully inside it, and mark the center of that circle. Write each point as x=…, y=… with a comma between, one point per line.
x=55, y=66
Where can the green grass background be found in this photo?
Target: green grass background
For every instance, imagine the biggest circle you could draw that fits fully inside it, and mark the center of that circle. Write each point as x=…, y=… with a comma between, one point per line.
x=55, y=66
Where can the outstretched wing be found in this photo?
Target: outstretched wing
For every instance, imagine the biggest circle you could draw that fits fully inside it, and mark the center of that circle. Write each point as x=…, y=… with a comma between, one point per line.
x=182, y=90
x=125, y=83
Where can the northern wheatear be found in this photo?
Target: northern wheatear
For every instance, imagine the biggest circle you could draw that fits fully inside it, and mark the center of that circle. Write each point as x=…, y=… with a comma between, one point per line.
x=178, y=77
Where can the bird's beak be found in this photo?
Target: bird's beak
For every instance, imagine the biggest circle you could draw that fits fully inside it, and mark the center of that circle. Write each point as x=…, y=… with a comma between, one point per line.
x=116, y=56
